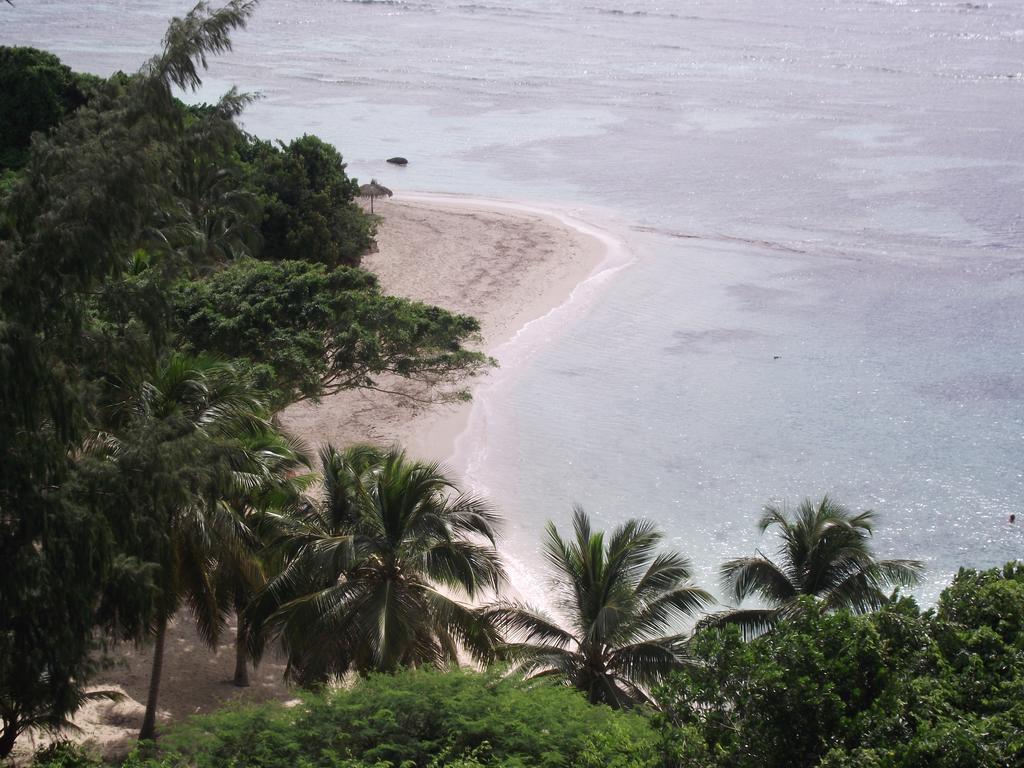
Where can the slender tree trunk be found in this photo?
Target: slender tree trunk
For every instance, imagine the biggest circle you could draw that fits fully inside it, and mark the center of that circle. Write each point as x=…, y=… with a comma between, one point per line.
x=241, y=656
x=149, y=721
x=8, y=736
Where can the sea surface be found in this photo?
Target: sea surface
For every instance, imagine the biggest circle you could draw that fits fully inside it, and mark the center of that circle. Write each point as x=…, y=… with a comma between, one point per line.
x=822, y=198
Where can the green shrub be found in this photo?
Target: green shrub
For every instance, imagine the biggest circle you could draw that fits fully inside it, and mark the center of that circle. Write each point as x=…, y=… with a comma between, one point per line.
x=64, y=754
x=36, y=92
x=418, y=719
x=309, y=203
x=896, y=688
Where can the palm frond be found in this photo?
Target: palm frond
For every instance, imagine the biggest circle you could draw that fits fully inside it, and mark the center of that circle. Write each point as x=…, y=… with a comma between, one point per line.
x=824, y=552
x=669, y=608
x=752, y=622
x=748, y=576
x=531, y=625
x=648, y=663
x=473, y=629
x=463, y=565
x=665, y=571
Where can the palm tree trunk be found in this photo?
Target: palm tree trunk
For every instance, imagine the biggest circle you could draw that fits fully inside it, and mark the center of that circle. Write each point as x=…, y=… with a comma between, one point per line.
x=8, y=736
x=241, y=656
x=148, y=730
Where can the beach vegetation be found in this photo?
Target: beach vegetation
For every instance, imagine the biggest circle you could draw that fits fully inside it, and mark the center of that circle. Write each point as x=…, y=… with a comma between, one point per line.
x=175, y=430
x=308, y=201
x=824, y=552
x=896, y=687
x=414, y=718
x=167, y=285
x=36, y=92
x=617, y=594
x=114, y=478
x=309, y=331
x=379, y=570
x=80, y=312
x=270, y=474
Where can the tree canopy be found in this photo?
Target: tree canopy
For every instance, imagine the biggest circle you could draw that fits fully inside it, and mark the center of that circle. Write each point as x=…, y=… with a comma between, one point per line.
x=897, y=687
x=126, y=201
x=309, y=203
x=617, y=594
x=77, y=315
x=310, y=331
x=823, y=553
x=36, y=92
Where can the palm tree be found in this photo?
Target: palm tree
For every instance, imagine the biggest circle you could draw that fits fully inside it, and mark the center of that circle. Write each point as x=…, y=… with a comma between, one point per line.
x=823, y=553
x=617, y=597
x=174, y=437
x=269, y=479
x=377, y=568
x=211, y=218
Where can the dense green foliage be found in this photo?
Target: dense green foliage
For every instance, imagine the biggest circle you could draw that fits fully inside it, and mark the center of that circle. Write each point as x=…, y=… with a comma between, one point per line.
x=81, y=315
x=898, y=688
x=308, y=203
x=619, y=595
x=119, y=478
x=893, y=688
x=36, y=92
x=311, y=331
x=418, y=719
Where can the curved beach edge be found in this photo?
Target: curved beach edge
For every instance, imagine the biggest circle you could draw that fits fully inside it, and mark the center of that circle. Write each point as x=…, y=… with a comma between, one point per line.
x=526, y=271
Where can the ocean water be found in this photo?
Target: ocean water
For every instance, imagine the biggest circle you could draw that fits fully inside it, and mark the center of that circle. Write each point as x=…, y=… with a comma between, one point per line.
x=823, y=202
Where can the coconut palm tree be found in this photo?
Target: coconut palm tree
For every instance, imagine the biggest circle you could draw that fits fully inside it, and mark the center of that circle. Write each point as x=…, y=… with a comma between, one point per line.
x=379, y=568
x=212, y=220
x=269, y=477
x=617, y=596
x=174, y=436
x=823, y=552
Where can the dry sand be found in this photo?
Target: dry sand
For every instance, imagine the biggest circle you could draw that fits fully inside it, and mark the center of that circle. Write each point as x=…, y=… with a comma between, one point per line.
x=506, y=266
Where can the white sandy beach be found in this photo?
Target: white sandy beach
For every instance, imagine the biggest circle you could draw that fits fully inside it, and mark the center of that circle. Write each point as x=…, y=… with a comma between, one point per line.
x=506, y=266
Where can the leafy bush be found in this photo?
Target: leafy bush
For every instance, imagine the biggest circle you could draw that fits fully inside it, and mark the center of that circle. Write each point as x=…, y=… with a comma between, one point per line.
x=419, y=719
x=36, y=91
x=309, y=208
x=64, y=754
x=895, y=688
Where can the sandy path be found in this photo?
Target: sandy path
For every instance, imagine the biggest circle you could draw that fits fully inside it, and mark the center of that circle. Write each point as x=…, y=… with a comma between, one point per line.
x=503, y=266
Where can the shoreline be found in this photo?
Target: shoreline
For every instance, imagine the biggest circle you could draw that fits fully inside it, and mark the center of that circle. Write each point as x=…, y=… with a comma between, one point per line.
x=522, y=270
x=459, y=436
x=454, y=434
x=576, y=258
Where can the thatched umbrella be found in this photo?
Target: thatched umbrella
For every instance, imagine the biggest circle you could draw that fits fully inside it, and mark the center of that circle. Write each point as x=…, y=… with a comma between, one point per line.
x=372, y=190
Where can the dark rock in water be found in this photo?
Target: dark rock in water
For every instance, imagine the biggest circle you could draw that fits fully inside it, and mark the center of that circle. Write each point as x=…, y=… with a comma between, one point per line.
x=398, y=161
